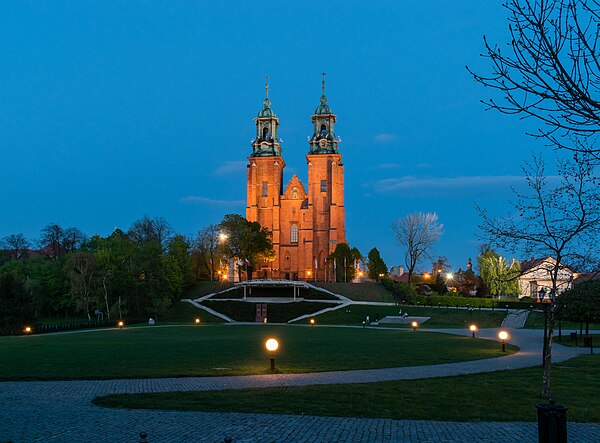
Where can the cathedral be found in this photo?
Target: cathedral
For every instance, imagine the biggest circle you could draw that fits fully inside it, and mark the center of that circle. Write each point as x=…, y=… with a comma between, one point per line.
x=307, y=222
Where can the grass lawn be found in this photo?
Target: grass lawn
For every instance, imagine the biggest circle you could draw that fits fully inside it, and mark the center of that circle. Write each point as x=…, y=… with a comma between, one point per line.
x=184, y=312
x=359, y=292
x=193, y=351
x=440, y=317
x=496, y=396
x=566, y=341
x=276, y=312
x=535, y=320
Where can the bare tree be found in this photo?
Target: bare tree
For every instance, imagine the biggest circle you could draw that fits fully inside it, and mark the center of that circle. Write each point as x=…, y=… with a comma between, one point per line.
x=555, y=219
x=417, y=233
x=53, y=236
x=551, y=71
x=81, y=268
x=151, y=229
x=206, y=245
x=73, y=239
x=17, y=244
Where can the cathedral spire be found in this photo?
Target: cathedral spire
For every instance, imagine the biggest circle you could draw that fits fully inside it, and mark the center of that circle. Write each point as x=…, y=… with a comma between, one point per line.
x=266, y=143
x=323, y=140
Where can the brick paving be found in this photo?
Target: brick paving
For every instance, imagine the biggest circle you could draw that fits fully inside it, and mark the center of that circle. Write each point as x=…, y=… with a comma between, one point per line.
x=61, y=411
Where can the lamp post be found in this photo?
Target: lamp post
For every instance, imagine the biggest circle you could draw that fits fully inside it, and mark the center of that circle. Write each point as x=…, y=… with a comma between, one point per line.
x=473, y=329
x=414, y=325
x=120, y=324
x=503, y=335
x=272, y=345
x=312, y=321
x=27, y=330
x=544, y=347
x=197, y=322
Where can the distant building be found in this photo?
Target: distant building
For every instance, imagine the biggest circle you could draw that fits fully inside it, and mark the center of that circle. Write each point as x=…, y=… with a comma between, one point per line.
x=535, y=280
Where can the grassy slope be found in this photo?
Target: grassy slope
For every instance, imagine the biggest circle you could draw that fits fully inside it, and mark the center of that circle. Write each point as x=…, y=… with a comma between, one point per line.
x=276, y=312
x=189, y=351
x=535, y=320
x=440, y=317
x=184, y=312
x=497, y=396
x=360, y=291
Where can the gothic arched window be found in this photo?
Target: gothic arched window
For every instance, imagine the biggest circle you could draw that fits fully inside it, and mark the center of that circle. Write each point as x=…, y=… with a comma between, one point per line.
x=294, y=234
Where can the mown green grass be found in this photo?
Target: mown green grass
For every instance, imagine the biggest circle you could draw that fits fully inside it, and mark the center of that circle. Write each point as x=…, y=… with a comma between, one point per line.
x=535, y=320
x=373, y=292
x=194, y=351
x=566, y=341
x=496, y=396
x=184, y=312
x=276, y=312
x=440, y=317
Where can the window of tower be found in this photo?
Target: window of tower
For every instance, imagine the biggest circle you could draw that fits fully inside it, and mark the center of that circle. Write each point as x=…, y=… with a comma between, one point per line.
x=265, y=189
x=323, y=185
x=294, y=234
x=323, y=129
x=265, y=133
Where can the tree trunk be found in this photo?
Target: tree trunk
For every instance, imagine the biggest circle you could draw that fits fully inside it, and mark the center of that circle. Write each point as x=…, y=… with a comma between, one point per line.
x=548, y=352
x=587, y=328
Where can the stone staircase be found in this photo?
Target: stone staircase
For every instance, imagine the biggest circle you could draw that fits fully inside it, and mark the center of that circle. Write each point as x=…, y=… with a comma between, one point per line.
x=515, y=319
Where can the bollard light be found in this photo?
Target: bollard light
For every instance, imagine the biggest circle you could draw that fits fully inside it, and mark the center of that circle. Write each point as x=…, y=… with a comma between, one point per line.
x=27, y=330
x=503, y=335
x=120, y=324
x=473, y=329
x=197, y=321
x=272, y=345
x=312, y=321
x=414, y=324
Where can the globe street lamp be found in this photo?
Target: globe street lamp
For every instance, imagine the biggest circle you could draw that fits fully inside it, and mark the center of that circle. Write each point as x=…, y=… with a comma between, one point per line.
x=197, y=321
x=120, y=324
x=414, y=324
x=27, y=330
x=503, y=335
x=272, y=345
x=312, y=321
x=473, y=329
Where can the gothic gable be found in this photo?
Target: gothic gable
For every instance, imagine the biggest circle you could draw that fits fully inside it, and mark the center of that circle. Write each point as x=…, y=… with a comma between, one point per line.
x=295, y=189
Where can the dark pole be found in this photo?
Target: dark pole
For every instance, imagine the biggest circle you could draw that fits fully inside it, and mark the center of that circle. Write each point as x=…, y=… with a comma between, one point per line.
x=545, y=334
x=503, y=346
x=272, y=364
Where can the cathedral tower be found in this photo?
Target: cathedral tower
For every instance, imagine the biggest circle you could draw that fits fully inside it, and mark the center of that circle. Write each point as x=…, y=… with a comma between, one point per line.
x=325, y=186
x=265, y=172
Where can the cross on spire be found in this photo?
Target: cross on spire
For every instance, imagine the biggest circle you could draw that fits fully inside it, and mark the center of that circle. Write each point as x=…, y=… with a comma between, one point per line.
x=323, y=82
x=267, y=85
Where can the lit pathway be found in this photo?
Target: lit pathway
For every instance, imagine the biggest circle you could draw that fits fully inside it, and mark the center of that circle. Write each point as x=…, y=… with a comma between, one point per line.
x=61, y=411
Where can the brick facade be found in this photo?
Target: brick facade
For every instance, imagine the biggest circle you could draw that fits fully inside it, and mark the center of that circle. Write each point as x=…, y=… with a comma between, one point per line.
x=307, y=222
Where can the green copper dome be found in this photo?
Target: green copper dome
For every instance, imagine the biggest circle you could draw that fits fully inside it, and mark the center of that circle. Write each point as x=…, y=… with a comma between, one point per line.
x=323, y=108
x=266, y=112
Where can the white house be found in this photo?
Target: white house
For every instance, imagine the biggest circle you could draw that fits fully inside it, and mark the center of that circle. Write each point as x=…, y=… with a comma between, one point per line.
x=535, y=280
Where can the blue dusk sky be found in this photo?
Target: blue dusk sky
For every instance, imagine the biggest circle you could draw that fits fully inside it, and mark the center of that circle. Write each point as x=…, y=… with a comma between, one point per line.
x=110, y=110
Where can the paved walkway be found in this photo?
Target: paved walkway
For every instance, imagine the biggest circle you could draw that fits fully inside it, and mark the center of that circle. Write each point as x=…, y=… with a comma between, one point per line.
x=61, y=411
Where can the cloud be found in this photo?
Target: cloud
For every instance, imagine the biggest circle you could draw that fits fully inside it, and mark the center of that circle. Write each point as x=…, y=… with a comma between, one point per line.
x=475, y=182
x=195, y=199
x=385, y=138
x=231, y=167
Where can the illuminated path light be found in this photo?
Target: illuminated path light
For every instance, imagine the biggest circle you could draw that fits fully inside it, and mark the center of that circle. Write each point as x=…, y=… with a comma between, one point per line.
x=272, y=345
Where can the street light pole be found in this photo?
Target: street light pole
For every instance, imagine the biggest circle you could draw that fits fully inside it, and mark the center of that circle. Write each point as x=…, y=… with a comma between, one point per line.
x=545, y=334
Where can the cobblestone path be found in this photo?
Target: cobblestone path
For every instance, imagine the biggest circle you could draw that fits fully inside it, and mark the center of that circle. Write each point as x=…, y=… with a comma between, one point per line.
x=61, y=411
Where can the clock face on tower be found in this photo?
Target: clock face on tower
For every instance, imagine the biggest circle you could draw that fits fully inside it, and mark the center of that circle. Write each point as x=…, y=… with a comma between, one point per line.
x=323, y=143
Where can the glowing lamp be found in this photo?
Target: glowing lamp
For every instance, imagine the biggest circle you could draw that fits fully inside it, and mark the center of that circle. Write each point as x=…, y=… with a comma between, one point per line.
x=27, y=330
x=121, y=324
x=197, y=321
x=312, y=321
x=272, y=345
x=473, y=329
x=503, y=335
x=414, y=324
